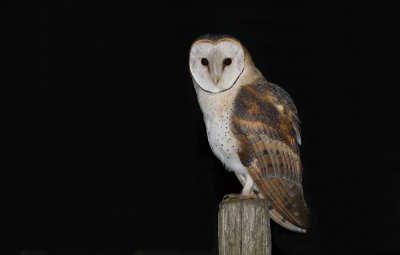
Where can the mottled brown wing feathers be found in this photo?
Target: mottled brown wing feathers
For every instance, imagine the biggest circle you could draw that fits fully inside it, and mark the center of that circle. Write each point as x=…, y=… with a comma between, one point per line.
x=265, y=121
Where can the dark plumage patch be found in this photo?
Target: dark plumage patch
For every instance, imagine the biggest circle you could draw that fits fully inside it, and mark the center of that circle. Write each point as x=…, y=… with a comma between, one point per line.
x=250, y=105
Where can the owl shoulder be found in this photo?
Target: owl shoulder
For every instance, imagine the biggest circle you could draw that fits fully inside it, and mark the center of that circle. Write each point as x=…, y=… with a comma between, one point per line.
x=267, y=103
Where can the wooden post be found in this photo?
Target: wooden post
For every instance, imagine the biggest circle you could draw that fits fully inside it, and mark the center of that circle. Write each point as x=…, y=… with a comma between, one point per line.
x=243, y=227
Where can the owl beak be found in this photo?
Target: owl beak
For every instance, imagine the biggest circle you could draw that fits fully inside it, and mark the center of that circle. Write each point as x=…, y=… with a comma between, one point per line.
x=215, y=74
x=215, y=79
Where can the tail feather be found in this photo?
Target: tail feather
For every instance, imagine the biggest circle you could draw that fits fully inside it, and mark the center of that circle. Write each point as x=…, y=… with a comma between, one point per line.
x=299, y=225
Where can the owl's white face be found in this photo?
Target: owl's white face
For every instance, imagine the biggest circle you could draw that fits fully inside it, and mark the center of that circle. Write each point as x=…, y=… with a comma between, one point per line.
x=216, y=65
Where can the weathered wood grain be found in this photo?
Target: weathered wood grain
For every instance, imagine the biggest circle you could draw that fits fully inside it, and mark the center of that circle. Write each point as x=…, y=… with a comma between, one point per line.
x=243, y=227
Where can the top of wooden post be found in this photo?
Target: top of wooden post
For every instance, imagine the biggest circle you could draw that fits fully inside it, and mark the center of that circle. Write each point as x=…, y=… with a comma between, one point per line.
x=243, y=227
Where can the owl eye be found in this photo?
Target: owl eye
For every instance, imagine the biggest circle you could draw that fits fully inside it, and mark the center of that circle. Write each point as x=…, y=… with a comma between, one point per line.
x=227, y=61
x=204, y=61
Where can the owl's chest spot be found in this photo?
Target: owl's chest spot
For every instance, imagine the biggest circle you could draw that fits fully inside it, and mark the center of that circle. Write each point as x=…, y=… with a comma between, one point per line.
x=221, y=139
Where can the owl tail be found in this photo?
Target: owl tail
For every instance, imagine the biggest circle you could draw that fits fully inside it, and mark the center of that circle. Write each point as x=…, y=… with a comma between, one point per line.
x=296, y=220
x=293, y=216
x=288, y=207
x=278, y=218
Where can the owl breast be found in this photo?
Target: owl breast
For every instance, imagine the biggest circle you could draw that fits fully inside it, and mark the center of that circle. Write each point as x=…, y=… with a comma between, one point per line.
x=217, y=110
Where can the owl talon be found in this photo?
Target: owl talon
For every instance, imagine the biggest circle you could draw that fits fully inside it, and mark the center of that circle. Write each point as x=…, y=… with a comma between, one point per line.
x=230, y=197
x=249, y=196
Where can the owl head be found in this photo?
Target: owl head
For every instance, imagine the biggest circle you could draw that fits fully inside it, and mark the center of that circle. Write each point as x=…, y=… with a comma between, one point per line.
x=217, y=61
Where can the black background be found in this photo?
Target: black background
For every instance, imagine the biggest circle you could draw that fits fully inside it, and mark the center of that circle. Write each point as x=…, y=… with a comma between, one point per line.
x=104, y=150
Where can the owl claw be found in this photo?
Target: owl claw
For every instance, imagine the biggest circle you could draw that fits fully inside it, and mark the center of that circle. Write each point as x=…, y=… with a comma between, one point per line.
x=230, y=197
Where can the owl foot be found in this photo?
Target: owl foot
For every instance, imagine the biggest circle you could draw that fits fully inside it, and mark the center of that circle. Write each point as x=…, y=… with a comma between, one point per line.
x=230, y=197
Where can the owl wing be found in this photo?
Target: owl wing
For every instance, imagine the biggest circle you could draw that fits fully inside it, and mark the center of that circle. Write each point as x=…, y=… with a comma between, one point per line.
x=266, y=124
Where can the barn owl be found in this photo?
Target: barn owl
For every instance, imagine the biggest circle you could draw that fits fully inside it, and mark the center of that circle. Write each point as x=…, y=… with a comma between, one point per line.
x=252, y=126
